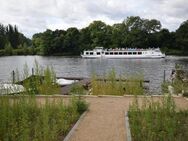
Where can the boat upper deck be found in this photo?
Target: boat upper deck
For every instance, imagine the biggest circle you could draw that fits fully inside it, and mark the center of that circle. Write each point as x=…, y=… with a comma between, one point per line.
x=124, y=49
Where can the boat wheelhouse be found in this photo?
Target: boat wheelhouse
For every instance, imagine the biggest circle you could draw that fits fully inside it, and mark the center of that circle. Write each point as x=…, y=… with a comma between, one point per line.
x=99, y=52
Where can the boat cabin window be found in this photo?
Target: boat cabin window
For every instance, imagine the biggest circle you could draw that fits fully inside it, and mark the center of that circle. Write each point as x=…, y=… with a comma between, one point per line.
x=130, y=53
x=116, y=53
x=106, y=53
x=111, y=53
x=120, y=53
x=125, y=53
x=87, y=53
x=91, y=53
x=134, y=53
x=139, y=53
x=98, y=53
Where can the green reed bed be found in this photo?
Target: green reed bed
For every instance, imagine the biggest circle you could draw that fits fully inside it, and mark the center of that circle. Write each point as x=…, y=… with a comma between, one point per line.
x=43, y=81
x=25, y=119
x=157, y=121
x=110, y=86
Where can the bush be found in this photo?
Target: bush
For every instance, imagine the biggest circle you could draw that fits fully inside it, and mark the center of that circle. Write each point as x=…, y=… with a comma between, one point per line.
x=81, y=106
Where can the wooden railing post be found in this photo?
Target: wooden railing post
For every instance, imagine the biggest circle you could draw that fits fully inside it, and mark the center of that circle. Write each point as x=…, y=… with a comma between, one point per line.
x=13, y=76
x=164, y=78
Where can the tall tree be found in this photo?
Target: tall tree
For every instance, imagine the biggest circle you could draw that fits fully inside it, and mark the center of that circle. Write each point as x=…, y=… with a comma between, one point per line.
x=3, y=39
x=99, y=33
x=13, y=35
x=182, y=37
x=71, y=41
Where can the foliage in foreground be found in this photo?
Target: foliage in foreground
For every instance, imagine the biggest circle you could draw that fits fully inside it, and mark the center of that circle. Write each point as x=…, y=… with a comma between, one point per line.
x=110, y=85
x=157, y=121
x=25, y=119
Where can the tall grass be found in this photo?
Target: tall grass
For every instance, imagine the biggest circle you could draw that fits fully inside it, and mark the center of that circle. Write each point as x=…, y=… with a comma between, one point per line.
x=43, y=81
x=179, y=83
x=77, y=89
x=157, y=121
x=110, y=86
x=25, y=119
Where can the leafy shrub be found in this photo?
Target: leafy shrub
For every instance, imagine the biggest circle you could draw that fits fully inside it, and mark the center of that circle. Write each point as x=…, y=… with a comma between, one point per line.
x=81, y=106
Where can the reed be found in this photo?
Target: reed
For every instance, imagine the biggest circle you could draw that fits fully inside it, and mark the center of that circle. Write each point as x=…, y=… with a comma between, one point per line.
x=25, y=119
x=110, y=86
x=157, y=120
x=43, y=81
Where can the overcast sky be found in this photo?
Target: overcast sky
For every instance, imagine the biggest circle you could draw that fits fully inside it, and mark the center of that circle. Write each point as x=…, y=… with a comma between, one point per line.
x=33, y=16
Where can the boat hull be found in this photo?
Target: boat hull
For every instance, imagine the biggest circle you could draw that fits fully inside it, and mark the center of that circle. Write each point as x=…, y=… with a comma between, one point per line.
x=123, y=57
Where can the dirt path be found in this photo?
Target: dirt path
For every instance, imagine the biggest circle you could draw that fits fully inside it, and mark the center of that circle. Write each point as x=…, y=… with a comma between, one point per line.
x=105, y=120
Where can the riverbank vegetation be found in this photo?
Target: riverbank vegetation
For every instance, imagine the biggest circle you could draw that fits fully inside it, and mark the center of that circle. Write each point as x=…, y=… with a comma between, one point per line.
x=157, y=120
x=133, y=32
x=111, y=84
x=179, y=82
x=31, y=119
x=39, y=81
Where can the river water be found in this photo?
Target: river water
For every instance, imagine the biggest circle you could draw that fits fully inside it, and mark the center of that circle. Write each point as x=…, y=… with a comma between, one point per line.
x=151, y=69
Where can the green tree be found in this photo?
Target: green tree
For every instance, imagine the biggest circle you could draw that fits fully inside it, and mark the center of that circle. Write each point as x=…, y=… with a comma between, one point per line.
x=119, y=34
x=151, y=26
x=13, y=35
x=10, y=35
x=85, y=39
x=8, y=49
x=71, y=41
x=2, y=36
x=100, y=34
x=182, y=37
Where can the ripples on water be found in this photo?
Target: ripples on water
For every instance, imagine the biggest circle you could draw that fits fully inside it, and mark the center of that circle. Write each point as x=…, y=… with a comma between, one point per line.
x=151, y=69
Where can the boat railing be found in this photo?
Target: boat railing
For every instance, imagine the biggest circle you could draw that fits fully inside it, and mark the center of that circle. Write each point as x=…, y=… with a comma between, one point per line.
x=124, y=49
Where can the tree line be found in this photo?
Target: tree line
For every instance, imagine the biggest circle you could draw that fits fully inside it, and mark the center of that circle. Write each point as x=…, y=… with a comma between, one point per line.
x=12, y=42
x=133, y=32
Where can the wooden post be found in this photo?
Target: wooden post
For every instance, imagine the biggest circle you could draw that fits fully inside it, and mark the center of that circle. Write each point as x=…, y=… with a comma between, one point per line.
x=164, y=78
x=13, y=76
x=32, y=71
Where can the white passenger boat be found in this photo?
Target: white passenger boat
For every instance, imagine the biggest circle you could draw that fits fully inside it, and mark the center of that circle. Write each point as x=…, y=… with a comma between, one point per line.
x=99, y=52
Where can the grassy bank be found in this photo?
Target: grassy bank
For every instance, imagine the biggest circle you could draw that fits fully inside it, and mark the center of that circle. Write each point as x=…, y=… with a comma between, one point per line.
x=25, y=119
x=157, y=121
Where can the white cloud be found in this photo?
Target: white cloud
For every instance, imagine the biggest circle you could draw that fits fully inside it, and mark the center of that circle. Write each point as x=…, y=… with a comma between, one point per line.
x=34, y=16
